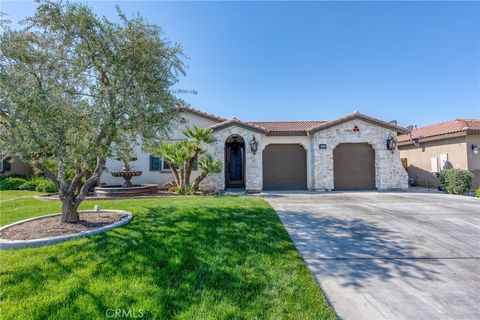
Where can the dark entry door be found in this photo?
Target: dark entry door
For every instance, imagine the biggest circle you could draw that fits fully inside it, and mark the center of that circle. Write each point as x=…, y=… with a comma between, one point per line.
x=235, y=159
x=354, y=166
x=284, y=167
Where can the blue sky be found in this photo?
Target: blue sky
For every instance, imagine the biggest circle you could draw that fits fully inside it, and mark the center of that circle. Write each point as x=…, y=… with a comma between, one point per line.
x=417, y=62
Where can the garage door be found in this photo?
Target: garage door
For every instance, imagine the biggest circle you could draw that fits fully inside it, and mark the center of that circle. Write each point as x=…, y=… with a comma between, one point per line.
x=354, y=166
x=284, y=167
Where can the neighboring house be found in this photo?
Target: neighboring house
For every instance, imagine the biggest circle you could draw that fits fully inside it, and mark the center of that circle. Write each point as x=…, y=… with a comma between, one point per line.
x=349, y=153
x=450, y=144
x=14, y=166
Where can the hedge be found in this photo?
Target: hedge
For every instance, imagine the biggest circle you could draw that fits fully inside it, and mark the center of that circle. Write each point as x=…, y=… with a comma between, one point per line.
x=35, y=183
x=456, y=181
x=11, y=183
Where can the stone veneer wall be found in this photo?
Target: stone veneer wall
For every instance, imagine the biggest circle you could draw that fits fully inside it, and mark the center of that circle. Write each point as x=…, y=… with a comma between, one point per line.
x=253, y=174
x=389, y=172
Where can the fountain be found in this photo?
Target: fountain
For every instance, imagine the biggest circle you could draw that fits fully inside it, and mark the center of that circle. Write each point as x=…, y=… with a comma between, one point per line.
x=127, y=188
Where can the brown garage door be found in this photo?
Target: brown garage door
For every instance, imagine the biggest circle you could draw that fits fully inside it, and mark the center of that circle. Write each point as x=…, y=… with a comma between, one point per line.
x=284, y=167
x=354, y=166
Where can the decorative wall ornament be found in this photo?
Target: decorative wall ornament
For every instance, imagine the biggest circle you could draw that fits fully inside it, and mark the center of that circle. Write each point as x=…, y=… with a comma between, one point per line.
x=356, y=129
x=391, y=143
x=254, y=145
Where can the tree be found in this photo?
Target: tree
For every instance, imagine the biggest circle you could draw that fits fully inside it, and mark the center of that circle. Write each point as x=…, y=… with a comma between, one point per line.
x=207, y=165
x=181, y=157
x=73, y=86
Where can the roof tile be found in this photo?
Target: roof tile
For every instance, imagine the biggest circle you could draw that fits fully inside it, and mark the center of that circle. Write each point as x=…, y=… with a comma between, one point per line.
x=447, y=127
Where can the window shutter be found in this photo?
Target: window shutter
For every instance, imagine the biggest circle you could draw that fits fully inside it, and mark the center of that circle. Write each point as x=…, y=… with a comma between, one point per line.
x=154, y=163
x=6, y=165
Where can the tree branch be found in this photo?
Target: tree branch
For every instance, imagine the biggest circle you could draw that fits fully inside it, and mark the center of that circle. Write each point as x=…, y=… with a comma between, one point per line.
x=90, y=181
x=47, y=172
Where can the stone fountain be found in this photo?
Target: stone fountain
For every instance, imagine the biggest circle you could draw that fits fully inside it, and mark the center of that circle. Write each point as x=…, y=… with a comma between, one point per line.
x=127, y=188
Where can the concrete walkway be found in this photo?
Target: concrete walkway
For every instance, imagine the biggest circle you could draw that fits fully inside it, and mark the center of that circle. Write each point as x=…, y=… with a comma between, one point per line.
x=389, y=255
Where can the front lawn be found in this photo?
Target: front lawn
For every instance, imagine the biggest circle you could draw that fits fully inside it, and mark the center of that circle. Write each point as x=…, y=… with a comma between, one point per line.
x=184, y=258
x=16, y=194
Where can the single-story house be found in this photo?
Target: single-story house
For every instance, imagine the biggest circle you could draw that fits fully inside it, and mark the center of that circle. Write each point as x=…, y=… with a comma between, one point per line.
x=349, y=153
x=14, y=166
x=450, y=144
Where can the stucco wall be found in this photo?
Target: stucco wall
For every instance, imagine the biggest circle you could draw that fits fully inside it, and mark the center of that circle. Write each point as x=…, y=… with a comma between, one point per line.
x=143, y=159
x=419, y=158
x=389, y=172
x=17, y=166
x=474, y=159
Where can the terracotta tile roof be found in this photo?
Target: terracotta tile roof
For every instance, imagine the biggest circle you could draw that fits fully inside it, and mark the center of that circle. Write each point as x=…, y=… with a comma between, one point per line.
x=287, y=126
x=202, y=113
x=447, y=127
x=233, y=121
x=359, y=115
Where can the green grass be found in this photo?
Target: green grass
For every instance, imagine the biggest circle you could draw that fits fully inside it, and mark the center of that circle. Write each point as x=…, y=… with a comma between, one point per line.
x=14, y=194
x=182, y=258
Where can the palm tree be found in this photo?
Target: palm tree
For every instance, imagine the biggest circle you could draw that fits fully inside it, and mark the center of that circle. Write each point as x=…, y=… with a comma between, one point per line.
x=207, y=165
x=181, y=157
x=200, y=136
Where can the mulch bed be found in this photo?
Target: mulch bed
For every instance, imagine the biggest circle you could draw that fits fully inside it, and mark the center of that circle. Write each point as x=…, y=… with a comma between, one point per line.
x=53, y=226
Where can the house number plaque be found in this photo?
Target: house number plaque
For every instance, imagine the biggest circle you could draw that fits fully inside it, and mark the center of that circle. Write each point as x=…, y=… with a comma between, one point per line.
x=323, y=146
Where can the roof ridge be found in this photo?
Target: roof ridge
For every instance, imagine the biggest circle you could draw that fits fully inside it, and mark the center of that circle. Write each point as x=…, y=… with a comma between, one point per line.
x=188, y=107
x=443, y=122
x=293, y=121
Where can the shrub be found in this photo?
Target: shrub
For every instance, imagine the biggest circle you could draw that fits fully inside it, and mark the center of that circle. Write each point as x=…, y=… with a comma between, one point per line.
x=477, y=193
x=30, y=185
x=456, y=181
x=46, y=186
x=11, y=183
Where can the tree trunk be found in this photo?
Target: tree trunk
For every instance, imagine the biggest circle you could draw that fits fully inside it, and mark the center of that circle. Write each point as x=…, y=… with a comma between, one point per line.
x=69, y=210
x=199, y=180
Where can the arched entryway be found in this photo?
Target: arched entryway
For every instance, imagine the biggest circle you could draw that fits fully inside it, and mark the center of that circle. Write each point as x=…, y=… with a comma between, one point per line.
x=354, y=166
x=235, y=162
x=284, y=167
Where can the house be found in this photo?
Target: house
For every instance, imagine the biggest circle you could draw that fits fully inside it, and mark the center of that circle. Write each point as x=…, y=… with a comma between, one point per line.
x=349, y=153
x=14, y=166
x=450, y=144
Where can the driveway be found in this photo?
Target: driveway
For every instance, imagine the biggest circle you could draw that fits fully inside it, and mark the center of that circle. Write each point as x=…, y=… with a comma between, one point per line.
x=389, y=255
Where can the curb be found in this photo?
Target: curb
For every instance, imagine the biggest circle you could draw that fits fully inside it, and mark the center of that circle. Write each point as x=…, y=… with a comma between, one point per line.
x=18, y=244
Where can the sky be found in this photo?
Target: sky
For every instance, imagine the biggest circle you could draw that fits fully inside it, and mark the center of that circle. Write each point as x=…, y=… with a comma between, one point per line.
x=415, y=62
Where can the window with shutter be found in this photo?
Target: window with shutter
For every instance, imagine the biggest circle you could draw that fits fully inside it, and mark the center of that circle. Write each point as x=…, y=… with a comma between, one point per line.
x=6, y=165
x=154, y=163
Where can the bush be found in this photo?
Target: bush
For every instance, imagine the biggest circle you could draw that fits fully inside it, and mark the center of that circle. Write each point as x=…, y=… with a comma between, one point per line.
x=11, y=183
x=477, y=193
x=456, y=181
x=30, y=185
x=46, y=186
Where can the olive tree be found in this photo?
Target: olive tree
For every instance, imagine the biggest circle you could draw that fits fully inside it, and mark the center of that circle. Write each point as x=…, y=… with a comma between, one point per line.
x=74, y=85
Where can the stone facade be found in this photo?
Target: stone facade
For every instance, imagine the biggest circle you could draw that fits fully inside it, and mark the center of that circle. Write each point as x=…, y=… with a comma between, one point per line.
x=253, y=167
x=389, y=172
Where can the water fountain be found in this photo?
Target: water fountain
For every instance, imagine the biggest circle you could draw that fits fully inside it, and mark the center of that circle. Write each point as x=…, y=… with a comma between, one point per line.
x=127, y=188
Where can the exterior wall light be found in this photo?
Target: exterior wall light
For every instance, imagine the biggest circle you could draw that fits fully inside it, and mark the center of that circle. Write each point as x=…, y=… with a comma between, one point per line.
x=475, y=149
x=254, y=145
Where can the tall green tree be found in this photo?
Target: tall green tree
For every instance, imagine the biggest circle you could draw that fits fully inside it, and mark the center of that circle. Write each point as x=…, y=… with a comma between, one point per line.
x=73, y=86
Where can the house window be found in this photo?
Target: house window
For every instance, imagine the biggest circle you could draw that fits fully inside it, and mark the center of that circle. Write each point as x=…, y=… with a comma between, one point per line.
x=158, y=164
x=165, y=165
x=154, y=163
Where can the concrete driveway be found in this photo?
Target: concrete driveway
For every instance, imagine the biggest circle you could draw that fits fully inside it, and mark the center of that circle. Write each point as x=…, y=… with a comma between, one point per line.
x=389, y=255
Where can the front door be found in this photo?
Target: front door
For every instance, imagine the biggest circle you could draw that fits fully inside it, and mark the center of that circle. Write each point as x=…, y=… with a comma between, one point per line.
x=235, y=159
